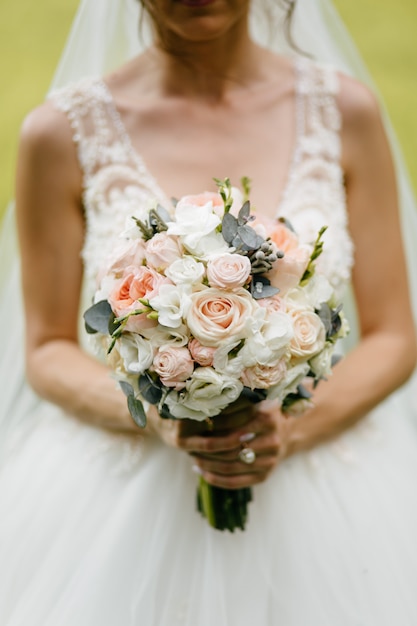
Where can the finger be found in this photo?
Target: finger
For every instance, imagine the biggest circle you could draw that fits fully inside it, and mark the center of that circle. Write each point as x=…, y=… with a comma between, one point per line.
x=237, y=481
x=236, y=467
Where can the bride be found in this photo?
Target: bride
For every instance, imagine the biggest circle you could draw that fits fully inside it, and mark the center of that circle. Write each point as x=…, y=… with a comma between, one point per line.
x=98, y=523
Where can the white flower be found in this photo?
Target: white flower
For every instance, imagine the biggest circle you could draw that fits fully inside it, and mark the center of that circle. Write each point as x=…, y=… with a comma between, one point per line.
x=193, y=222
x=321, y=364
x=294, y=376
x=163, y=336
x=185, y=271
x=172, y=305
x=206, y=247
x=207, y=394
x=225, y=363
x=270, y=342
x=137, y=352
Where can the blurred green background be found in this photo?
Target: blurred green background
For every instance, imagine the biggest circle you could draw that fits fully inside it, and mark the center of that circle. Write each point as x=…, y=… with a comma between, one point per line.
x=32, y=35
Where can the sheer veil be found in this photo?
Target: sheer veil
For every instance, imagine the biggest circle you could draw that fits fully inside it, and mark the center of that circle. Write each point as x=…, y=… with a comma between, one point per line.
x=104, y=34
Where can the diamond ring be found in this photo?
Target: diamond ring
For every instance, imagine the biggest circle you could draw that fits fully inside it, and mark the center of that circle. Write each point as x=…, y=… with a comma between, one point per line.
x=247, y=455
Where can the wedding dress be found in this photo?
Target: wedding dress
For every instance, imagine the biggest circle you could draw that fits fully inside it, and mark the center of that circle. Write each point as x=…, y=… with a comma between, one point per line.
x=100, y=529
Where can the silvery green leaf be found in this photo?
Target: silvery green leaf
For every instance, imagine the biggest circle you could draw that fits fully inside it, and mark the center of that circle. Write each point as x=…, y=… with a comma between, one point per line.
x=244, y=213
x=136, y=410
x=163, y=213
x=261, y=288
x=126, y=388
x=98, y=317
x=248, y=236
x=229, y=227
x=149, y=389
x=336, y=358
x=325, y=315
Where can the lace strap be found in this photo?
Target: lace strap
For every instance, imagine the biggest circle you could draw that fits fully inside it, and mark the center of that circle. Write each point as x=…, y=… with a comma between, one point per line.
x=88, y=107
x=320, y=118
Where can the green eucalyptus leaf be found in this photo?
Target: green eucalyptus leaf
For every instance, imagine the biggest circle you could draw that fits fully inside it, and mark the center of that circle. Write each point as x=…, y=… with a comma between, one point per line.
x=229, y=227
x=244, y=213
x=165, y=413
x=97, y=317
x=149, y=389
x=261, y=288
x=248, y=236
x=126, y=388
x=325, y=315
x=136, y=410
x=163, y=213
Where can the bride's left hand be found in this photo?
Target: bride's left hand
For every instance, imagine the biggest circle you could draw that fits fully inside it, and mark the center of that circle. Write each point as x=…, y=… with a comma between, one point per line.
x=267, y=434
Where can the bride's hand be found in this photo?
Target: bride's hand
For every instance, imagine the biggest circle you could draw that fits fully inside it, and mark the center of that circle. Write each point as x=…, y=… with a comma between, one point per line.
x=216, y=453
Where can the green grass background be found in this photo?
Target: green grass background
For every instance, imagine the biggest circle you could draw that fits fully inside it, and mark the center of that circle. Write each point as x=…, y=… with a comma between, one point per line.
x=33, y=33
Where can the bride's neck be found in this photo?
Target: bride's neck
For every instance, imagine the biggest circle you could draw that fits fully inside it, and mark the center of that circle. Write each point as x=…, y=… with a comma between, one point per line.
x=208, y=69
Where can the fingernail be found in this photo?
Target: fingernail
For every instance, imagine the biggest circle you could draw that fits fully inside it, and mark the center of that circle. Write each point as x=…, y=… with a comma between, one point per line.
x=197, y=470
x=247, y=437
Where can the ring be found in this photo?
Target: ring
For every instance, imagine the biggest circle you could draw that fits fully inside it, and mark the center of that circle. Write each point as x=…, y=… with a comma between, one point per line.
x=247, y=455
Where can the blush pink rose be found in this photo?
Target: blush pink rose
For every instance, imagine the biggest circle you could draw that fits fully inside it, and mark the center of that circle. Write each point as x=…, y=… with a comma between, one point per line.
x=264, y=376
x=128, y=253
x=162, y=250
x=142, y=282
x=288, y=271
x=203, y=355
x=174, y=366
x=309, y=334
x=216, y=315
x=228, y=271
x=274, y=304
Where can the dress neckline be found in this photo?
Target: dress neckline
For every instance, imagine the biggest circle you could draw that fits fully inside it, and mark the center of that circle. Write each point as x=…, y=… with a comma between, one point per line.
x=157, y=189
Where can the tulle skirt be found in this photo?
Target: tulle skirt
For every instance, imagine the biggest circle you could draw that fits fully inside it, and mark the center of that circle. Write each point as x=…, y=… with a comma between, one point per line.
x=101, y=530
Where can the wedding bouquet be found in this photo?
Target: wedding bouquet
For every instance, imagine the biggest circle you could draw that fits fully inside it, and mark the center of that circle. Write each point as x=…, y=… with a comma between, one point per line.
x=202, y=306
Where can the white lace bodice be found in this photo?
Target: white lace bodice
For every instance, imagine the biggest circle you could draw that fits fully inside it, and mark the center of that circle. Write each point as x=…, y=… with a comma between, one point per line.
x=116, y=179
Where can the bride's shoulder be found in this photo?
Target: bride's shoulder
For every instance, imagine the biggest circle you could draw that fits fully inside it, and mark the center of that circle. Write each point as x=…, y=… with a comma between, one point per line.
x=358, y=104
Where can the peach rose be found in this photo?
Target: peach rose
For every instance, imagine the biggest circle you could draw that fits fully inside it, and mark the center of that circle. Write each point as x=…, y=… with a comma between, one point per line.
x=201, y=199
x=203, y=355
x=228, y=271
x=309, y=334
x=216, y=315
x=162, y=250
x=142, y=282
x=174, y=366
x=264, y=376
x=288, y=271
x=284, y=238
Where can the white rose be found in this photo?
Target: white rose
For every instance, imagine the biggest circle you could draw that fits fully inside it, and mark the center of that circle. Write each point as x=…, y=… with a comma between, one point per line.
x=318, y=290
x=137, y=352
x=228, y=271
x=185, y=270
x=309, y=334
x=172, y=305
x=207, y=394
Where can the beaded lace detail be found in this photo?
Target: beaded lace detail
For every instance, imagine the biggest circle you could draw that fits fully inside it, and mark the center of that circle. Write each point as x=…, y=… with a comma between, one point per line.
x=116, y=179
